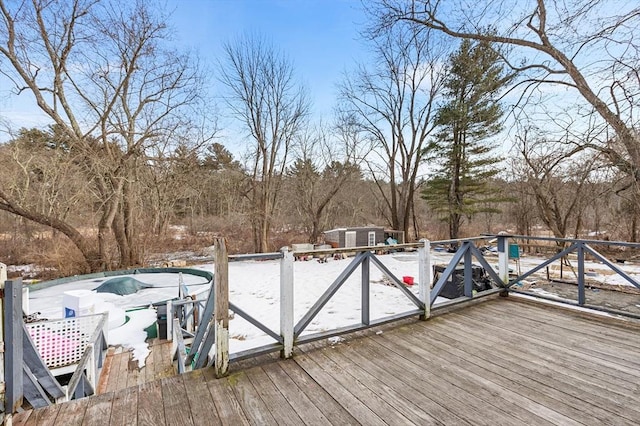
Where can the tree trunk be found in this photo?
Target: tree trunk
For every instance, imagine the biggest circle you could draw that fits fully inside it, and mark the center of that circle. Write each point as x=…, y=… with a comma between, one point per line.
x=93, y=259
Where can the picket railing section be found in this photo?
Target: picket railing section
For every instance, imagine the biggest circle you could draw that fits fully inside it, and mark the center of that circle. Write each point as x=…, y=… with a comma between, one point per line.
x=32, y=349
x=209, y=344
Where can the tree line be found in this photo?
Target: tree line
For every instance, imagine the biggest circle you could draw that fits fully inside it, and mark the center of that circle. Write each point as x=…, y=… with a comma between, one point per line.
x=450, y=130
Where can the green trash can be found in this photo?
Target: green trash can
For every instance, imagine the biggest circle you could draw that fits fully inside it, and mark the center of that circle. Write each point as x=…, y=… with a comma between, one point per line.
x=514, y=251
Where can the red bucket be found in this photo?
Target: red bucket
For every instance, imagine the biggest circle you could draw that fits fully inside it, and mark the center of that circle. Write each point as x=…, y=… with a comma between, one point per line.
x=408, y=280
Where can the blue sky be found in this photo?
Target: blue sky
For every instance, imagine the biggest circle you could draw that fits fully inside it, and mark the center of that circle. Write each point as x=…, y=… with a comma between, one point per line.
x=320, y=37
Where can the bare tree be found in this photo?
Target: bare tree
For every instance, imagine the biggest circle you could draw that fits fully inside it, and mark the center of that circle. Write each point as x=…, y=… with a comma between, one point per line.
x=394, y=103
x=102, y=73
x=327, y=159
x=558, y=176
x=587, y=46
x=272, y=107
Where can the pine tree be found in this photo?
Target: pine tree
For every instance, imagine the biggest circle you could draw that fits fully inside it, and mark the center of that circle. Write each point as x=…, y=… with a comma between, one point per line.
x=461, y=151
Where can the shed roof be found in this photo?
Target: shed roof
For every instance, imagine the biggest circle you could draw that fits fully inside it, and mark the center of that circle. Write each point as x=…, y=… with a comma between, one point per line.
x=355, y=228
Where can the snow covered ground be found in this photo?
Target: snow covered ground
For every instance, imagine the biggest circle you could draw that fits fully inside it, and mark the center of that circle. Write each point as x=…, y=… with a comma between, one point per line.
x=254, y=286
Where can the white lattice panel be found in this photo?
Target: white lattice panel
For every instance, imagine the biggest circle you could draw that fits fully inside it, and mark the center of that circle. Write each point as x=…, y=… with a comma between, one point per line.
x=62, y=342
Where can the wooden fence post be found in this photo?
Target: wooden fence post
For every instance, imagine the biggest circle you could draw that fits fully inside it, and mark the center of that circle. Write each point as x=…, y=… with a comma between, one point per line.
x=424, y=277
x=286, y=302
x=221, y=309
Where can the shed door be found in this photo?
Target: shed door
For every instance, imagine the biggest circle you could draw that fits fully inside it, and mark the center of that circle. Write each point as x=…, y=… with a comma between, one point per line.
x=372, y=238
x=350, y=239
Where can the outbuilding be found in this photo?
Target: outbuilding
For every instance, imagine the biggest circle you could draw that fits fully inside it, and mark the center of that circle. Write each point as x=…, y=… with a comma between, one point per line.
x=361, y=236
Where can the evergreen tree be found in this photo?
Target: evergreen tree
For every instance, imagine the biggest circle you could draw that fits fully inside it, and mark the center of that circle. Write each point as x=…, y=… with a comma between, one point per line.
x=461, y=151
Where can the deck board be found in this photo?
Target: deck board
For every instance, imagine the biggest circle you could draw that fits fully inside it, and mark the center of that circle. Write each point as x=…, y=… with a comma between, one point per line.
x=203, y=409
x=499, y=362
x=570, y=334
x=517, y=383
x=150, y=404
x=228, y=408
x=387, y=410
x=250, y=400
x=525, y=350
x=436, y=400
x=348, y=397
x=175, y=401
x=517, y=349
x=308, y=413
x=125, y=407
x=449, y=398
x=334, y=412
x=557, y=383
x=72, y=413
x=475, y=381
x=277, y=404
x=622, y=373
x=99, y=410
x=378, y=384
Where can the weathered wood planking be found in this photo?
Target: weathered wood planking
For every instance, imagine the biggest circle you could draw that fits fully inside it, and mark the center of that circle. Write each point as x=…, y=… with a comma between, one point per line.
x=125, y=407
x=99, y=410
x=273, y=398
x=345, y=396
x=400, y=375
x=500, y=362
x=323, y=401
x=72, y=413
x=250, y=400
x=150, y=404
x=175, y=401
x=382, y=398
x=203, y=409
x=511, y=364
x=625, y=374
x=309, y=414
x=530, y=349
x=228, y=407
x=122, y=379
x=465, y=398
x=493, y=377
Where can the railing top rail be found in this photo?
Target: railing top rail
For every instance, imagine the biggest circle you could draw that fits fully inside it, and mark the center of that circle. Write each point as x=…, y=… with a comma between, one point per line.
x=82, y=318
x=567, y=240
x=357, y=249
x=461, y=240
x=255, y=256
x=99, y=328
x=414, y=245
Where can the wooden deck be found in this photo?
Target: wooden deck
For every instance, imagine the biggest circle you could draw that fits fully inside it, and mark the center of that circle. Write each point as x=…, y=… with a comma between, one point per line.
x=499, y=362
x=120, y=371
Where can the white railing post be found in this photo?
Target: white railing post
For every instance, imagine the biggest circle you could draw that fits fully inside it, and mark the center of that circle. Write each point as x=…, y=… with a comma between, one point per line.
x=286, y=302
x=503, y=259
x=221, y=309
x=91, y=366
x=424, y=277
